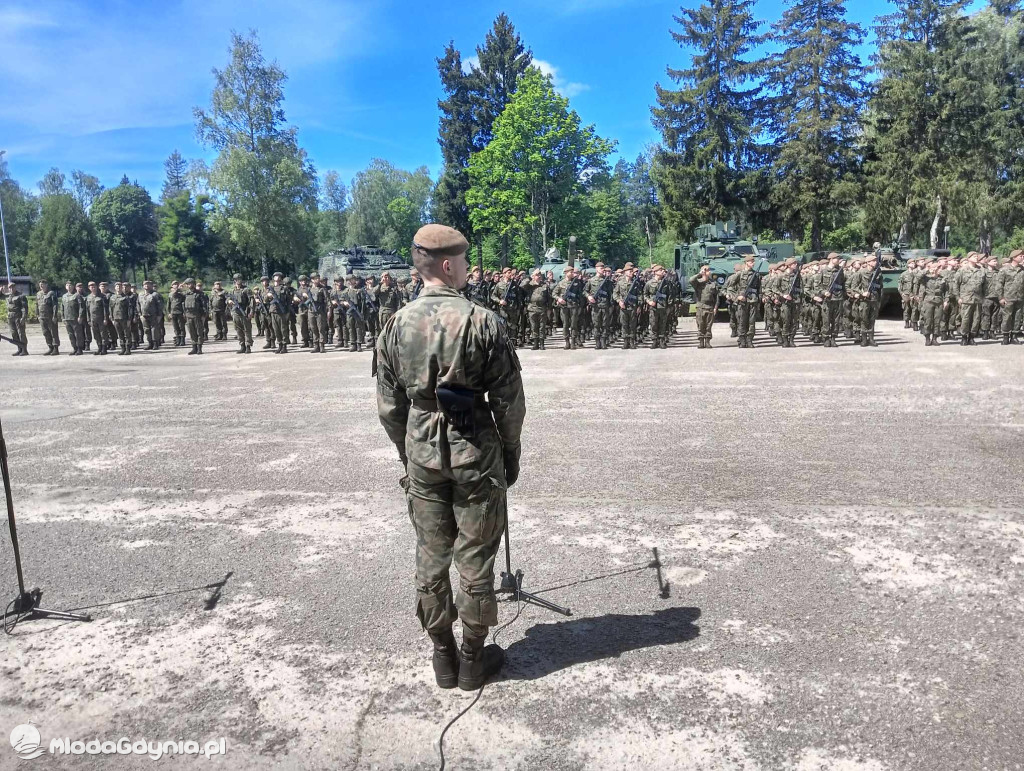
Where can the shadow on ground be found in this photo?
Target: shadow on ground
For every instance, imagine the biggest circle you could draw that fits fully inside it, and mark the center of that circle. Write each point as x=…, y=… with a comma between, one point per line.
x=548, y=648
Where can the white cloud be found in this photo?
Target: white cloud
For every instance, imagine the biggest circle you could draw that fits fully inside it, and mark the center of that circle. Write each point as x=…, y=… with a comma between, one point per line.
x=76, y=68
x=469, y=63
x=566, y=88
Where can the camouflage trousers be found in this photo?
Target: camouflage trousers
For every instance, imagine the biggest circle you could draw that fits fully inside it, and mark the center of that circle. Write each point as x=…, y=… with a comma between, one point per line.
x=745, y=319
x=831, y=315
x=733, y=317
x=17, y=327
x=949, y=315
x=220, y=323
x=318, y=327
x=304, y=332
x=538, y=328
x=151, y=325
x=279, y=323
x=628, y=318
x=931, y=317
x=243, y=327
x=789, y=313
x=341, y=329
x=76, y=334
x=99, y=334
x=705, y=320
x=178, y=322
x=1011, y=316
x=458, y=514
x=659, y=323
x=196, y=329
x=990, y=314
x=356, y=330
x=601, y=317
x=50, y=331
x=970, y=318
x=572, y=327
x=868, y=314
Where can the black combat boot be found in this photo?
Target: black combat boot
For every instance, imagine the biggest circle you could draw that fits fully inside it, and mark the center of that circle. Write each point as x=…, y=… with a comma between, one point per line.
x=478, y=662
x=200, y=348
x=734, y=333
x=194, y=351
x=241, y=348
x=971, y=340
x=295, y=339
x=446, y=659
x=1006, y=340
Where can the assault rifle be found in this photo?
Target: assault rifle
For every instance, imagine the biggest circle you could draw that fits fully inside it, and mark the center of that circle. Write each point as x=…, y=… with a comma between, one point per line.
x=575, y=288
x=633, y=293
x=605, y=290
x=797, y=282
x=277, y=301
x=753, y=286
x=507, y=299
x=875, y=280
x=234, y=307
x=834, y=287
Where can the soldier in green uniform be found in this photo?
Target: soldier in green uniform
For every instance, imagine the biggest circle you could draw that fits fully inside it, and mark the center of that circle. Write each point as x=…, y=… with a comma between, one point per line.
x=990, y=304
x=340, y=316
x=1011, y=294
x=73, y=311
x=151, y=305
x=951, y=311
x=263, y=309
x=731, y=291
x=748, y=295
x=219, y=311
x=905, y=289
x=372, y=311
x=538, y=300
x=389, y=298
x=568, y=296
x=121, y=315
x=354, y=302
x=970, y=290
x=195, y=311
x=505, y=299
x=300, y=307
x=789, y=291
x=705, y=291
x=46, y=310
x=241, y=305
x=932, y=290
x=656, y=294
x=317, y=302
x=98, y=314
x=277, y=300
x=447, y=368
x=831, y=293
x=599, y=295
x=176, y=306
x=204, y=304
x=17, y=315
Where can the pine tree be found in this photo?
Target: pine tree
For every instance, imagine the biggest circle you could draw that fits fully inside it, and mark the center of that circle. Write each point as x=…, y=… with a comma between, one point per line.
x=816, y=84
x=176, y=180
x=455, y=136
x=501, y=62
x=923, y=118
x=708, y=126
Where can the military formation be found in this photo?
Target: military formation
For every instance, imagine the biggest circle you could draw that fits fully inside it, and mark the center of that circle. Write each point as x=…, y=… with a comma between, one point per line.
x=944, y=297
x=102, y=317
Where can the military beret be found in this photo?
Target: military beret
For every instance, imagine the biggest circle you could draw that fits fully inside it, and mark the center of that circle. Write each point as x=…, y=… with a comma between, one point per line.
x=189, y=281
x=1016, y=253
x=314, y=275
x=278, y=274
x=303, y=277
x=832, y=256
x=264, y=278
x=237, y=277
x=288, y=280
x=628, y=266
x=440, y=240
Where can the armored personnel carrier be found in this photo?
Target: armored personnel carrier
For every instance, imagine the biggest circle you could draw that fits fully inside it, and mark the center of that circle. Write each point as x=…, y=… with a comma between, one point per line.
x=721, y=247
x=363, y=261
x=557, y=264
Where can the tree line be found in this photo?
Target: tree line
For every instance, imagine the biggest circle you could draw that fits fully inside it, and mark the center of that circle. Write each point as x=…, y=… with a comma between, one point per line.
x=781, y=127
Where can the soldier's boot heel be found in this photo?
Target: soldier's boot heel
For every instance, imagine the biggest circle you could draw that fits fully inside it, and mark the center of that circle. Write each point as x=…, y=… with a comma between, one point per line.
x=1006, y=340
x=194, y=350
x=446, y=659
x=478, y=663
x=241, y=348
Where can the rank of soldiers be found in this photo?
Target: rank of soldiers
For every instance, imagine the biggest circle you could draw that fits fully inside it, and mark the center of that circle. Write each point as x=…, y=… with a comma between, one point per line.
x=943, y=297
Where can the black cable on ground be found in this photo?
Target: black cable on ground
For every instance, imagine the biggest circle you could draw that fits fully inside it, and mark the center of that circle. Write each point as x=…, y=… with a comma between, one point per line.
x=479, y=693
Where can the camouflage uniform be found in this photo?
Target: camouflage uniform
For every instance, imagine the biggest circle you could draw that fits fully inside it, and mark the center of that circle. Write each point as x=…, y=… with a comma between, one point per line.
x=970, y=289
x=748, y=295
x=455, y=484
x=599, y=294
x=705, y=292
x=628, y=306
x=832, y=291
x=1011, y=297
x=278, y=300
x=121, y=316
x=73, y=309
x=340, y=316
x=242, y=304
x=316, y=309
x=219, y=309
x=99, y=316
x=569, y=307
x=195, y=310
x=176, y=303
x=17, y=315
x=46, y=309
x=538, y=300
x=353, y=300
x=932, y=289
x=151, y=305
x=656, y=295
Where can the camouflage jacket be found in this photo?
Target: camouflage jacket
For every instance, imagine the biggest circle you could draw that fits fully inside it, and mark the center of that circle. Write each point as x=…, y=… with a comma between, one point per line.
x=72, y=306
x=98, y=308
x=152, y=304
x=594, y=286
x=46, y=304
x=705, y=291
x=218, y=300
x=970, y=284
x=1011, y=283
x=443, y=339
x=657, y=292
x=195, y=304
x=932, y=289
x=389, y=298
x=828, y=275
x=176, y=302
x=120, y=307
x=17, y=307
x=538, y=296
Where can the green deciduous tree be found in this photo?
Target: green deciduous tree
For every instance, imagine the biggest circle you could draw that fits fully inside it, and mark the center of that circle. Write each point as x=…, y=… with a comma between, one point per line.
x=85, y=188
x=263, y=180
x=64, y=245
x=125, y=220
x=532, y=165
x=333, y=218
x=21, y=211
x=709, y=126
x=52, y=183
x=388, y=205
x=817, y=87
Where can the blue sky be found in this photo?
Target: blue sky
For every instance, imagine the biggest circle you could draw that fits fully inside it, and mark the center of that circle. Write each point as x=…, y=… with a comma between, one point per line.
x=108, y=86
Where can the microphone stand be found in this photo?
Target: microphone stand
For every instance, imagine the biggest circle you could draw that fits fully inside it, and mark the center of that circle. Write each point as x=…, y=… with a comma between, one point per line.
x=25, y=606
x=512, y=583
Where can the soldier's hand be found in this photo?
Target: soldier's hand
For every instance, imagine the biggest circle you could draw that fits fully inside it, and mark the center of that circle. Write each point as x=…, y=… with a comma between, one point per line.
x=622, y=305
x=511, y=468
x=1002, y=302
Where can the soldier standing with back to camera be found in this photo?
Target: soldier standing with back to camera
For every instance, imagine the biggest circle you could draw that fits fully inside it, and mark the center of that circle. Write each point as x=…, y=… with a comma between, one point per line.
x=447, y=369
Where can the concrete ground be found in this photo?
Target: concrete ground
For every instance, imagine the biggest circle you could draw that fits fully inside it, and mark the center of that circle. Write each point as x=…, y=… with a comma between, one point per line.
x=841, y=533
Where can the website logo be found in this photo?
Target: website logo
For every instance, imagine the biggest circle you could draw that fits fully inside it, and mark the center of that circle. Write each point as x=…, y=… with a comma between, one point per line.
x=25, y=739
